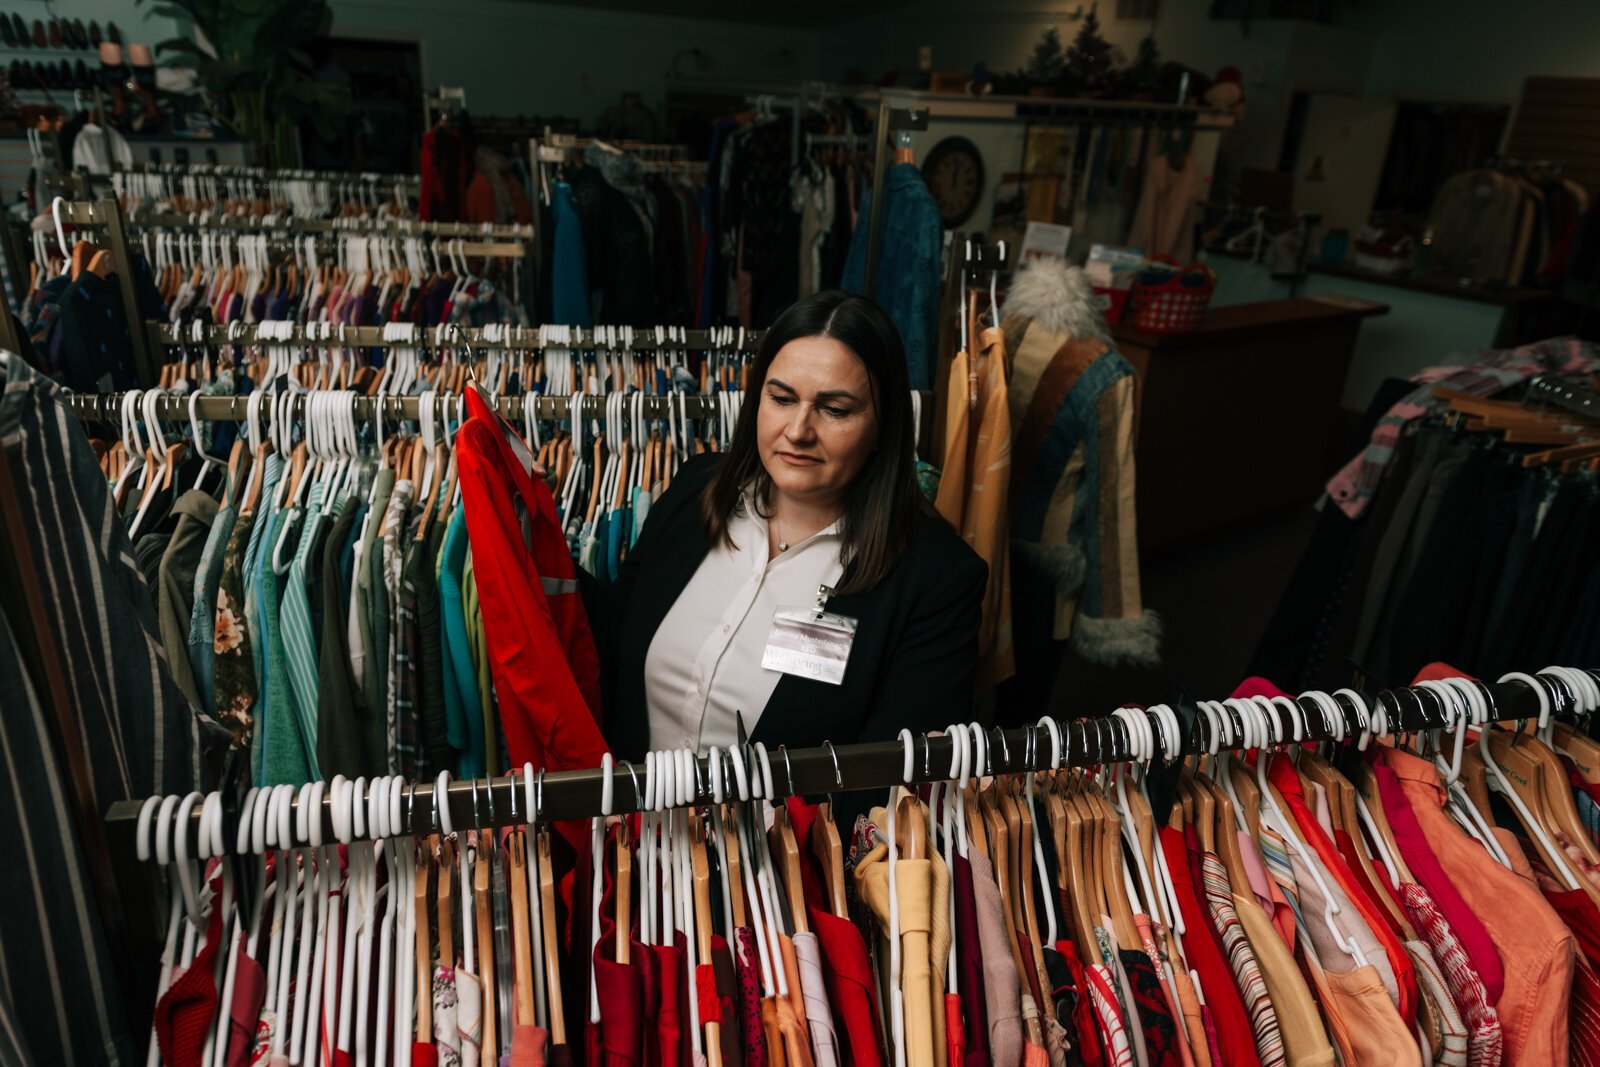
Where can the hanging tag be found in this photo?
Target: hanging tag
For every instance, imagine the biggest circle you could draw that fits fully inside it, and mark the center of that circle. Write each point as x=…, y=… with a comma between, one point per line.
x=810, y=642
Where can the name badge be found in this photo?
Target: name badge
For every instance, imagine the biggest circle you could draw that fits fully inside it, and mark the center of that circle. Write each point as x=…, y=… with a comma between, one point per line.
x=810, y=642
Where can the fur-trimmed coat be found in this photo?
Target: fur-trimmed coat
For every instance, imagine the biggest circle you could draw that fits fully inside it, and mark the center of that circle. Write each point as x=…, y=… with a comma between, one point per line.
x=1072, y=474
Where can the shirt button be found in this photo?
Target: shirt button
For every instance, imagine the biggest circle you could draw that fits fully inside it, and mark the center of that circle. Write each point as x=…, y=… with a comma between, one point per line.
x=726, y=627
x=700, y=690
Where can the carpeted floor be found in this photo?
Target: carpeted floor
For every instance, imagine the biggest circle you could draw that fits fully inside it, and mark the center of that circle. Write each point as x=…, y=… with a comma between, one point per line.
x=1215, y=599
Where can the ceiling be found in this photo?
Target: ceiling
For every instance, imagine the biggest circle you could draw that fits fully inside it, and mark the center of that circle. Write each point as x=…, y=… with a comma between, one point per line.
x=800, y=13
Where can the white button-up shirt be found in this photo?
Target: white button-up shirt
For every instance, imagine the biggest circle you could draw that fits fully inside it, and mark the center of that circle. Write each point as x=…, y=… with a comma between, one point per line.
x=704, y=663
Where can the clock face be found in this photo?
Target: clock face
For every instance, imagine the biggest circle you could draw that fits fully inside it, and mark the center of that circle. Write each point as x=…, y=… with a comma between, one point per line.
x=954, y=173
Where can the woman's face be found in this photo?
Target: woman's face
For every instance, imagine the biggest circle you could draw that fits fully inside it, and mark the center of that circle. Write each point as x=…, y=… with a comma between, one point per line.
x=816, y=425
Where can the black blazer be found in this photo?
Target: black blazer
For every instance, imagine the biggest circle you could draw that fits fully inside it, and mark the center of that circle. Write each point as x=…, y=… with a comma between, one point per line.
x=912, y=664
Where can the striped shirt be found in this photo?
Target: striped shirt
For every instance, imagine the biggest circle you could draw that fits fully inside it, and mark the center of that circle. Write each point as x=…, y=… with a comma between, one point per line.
x=1454, y=1048
x=393, y=534
x=1485, y=1037
x=1113, y=1035
x=1252, y=986
x=60, y=1001
x=299, y=643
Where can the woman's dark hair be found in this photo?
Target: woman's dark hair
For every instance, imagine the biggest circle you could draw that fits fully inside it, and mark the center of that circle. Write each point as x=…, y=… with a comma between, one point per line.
x=882, y=503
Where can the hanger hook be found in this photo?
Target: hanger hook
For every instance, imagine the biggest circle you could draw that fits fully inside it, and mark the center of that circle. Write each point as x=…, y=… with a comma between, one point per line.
x=788, y=771
x=512, y=773
x=838, y=775
x=634, y=777
x=1005, y=746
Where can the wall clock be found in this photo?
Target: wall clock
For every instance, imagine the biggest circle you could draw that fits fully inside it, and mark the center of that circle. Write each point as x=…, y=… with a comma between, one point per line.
x=953, y=170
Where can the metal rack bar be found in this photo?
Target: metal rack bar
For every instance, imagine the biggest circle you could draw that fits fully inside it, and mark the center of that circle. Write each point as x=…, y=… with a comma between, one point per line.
x=1553, y=390
x=517, y=337
x=106, y=407
x=895, y=120
x=271, y=174
x=355, y=227
x=844, y=768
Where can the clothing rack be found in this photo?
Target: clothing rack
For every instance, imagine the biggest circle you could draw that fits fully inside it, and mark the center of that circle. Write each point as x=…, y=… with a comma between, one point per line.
x=107, y=215
x=357, y=227
x=1553, y=390
x=515, y=337
x=269, y=174
x=104, y=407
x=901, y=122
x=876, y=765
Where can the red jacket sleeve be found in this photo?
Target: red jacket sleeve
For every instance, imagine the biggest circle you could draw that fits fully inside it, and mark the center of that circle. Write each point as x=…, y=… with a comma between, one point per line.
x=546, y=671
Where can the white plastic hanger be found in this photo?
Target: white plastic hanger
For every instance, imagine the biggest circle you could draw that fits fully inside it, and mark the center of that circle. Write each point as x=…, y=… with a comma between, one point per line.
x=686, y=766
x=1286, y=830
x=597, y=847
x=897, y=1009
x=1143, y=745
x=1046, y=890
x=324, y=922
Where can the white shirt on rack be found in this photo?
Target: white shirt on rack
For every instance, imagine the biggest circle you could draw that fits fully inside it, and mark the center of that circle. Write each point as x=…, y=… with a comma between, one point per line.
x=704, y=663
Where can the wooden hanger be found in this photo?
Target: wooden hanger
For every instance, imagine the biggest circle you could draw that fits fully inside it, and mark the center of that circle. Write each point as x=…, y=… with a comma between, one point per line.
x=424, y=955
x=825, y=844
x=1025, y=876
x=1551, y=798
x=736, y=902
x=623, y=861
x=1583, y=750
x=1248, y=790
x=1064, y=826
x=521, y=931
x=1002, y=873
x=1342, y=809
x=485, y=924
x=445, y=858
x=552, y=956
x=700, y=872
x=786, y=850
x=977, y=835
x=1116, y=890
x=1366, y=786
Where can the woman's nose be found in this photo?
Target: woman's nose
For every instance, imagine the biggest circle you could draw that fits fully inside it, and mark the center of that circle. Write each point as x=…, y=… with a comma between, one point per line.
x=799, y=428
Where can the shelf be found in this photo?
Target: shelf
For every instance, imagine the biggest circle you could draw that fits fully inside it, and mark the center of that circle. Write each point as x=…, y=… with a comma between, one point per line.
x=1503, y=295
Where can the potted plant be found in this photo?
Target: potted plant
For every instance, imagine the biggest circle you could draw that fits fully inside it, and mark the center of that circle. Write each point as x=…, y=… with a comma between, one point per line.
x=1086, y=70
x=1045, y=63
x=251, y=59
x=1144, y=73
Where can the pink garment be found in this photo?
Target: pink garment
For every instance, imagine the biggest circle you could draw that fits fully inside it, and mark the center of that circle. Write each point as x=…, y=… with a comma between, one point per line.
x=1424, y=865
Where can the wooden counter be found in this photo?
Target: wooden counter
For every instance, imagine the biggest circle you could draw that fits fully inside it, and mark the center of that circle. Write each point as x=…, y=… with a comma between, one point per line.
x=1235, y=417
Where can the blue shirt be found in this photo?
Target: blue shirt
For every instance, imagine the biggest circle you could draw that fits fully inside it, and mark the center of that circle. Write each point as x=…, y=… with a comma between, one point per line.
x=910, y=245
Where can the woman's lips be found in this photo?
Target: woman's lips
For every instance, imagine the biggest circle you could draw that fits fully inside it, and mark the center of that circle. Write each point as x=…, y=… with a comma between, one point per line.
x=795, y=459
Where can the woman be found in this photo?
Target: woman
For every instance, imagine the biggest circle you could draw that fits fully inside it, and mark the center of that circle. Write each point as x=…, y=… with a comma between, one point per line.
x=817, y=491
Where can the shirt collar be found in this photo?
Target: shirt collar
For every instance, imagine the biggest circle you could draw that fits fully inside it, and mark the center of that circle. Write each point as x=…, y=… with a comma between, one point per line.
x=748, y=512
x=1409, y=768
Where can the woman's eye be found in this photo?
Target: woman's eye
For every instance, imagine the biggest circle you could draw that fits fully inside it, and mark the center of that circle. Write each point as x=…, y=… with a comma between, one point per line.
x=781, y=401
x=837, y=413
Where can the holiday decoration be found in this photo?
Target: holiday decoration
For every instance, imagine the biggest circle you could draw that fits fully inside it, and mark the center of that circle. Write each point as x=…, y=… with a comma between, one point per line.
x=1088, y=60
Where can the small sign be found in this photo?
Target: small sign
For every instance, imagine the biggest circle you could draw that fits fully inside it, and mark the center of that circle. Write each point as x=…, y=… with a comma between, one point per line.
x=1045, y=240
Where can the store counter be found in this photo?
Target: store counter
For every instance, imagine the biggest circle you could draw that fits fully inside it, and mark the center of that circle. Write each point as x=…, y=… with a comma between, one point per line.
x=1236, y=418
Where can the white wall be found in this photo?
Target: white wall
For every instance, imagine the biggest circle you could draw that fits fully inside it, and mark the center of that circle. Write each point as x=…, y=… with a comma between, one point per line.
x=1477, y=49
x=1276, y=58
x=518, y=57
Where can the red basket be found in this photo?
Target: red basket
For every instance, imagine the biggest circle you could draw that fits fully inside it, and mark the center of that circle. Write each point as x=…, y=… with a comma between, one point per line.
x=1170, y=306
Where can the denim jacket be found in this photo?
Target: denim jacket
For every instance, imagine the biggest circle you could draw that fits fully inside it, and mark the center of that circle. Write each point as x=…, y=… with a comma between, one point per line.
x=908, y=281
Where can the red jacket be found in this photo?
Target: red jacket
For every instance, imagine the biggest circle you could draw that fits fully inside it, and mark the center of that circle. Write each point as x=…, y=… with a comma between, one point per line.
x=542, y=655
